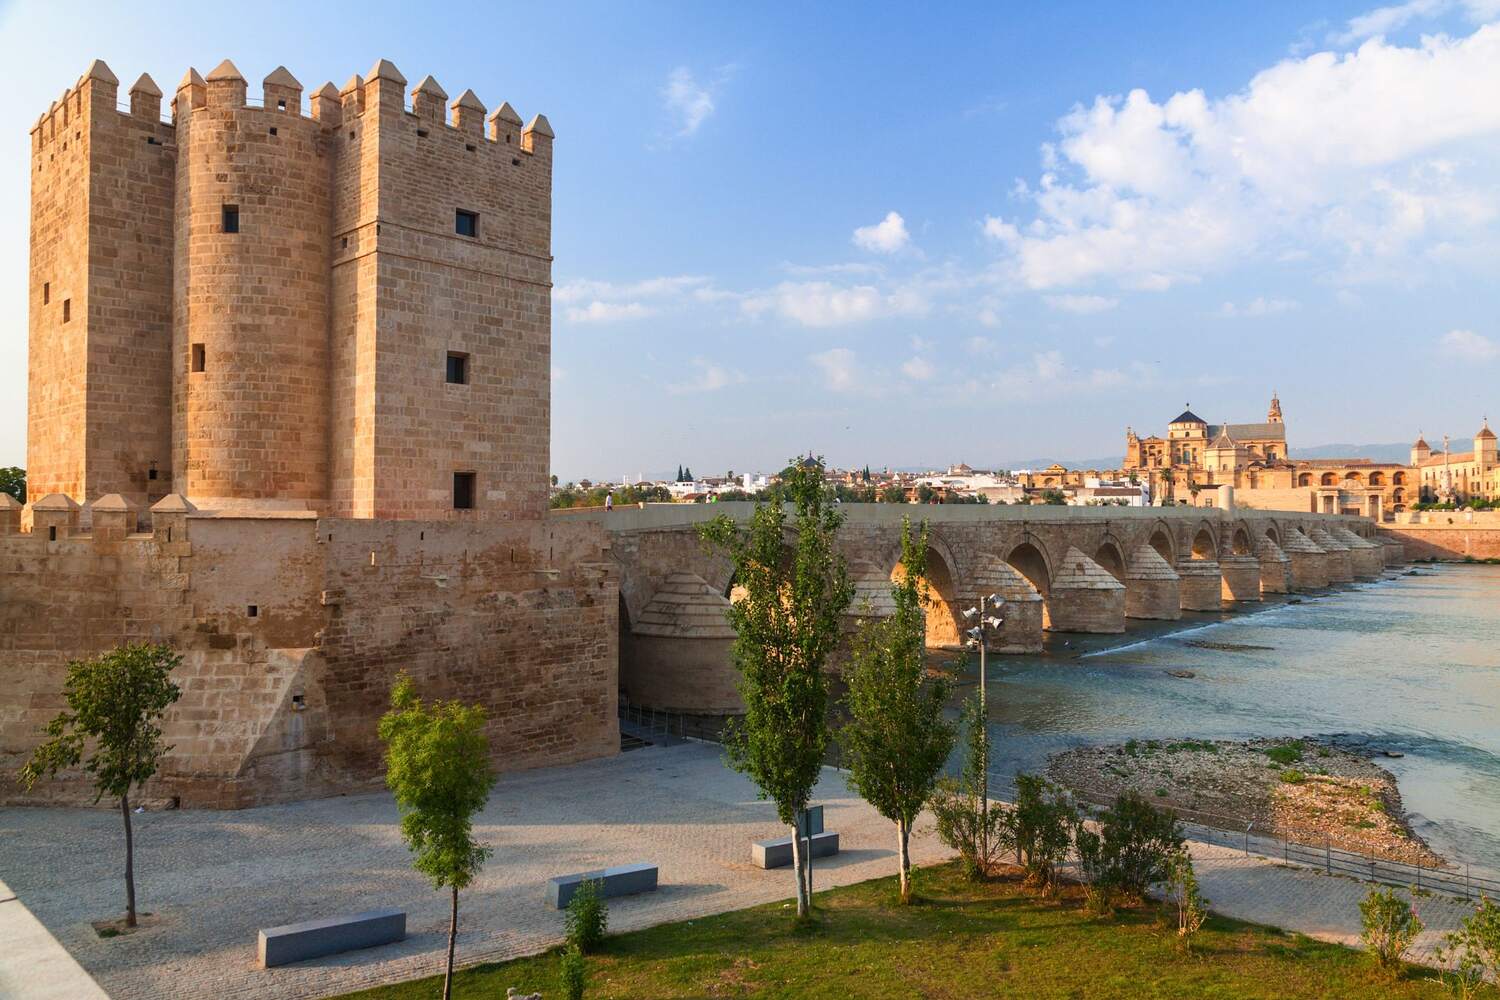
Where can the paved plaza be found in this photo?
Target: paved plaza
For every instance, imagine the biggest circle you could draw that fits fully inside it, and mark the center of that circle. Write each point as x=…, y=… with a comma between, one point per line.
x=211, y=879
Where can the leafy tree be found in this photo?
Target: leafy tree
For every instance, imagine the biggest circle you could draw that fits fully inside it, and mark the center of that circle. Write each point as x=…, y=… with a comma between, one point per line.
x=13, y=481
x=115, y=702
x=437, y=764
x=572, y=974
x=897, y=739
x=1138, y=841
x=892, y=493
x=785, y=627
x=1054, y=498
x=965, y=822
x=554, y=479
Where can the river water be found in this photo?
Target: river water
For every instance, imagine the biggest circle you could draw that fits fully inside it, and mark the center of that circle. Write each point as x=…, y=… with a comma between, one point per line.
x=1408, y=665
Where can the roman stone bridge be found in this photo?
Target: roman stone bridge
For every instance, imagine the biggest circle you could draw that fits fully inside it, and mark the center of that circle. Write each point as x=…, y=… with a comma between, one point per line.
x=1063, y=569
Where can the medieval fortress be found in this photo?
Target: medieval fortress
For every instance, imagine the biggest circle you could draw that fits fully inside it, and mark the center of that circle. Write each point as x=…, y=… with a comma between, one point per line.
x=289, y=412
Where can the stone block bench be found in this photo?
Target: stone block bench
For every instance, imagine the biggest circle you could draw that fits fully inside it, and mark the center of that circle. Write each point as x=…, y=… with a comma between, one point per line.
x=778, y=853
x=622, y=880
x=329, y=936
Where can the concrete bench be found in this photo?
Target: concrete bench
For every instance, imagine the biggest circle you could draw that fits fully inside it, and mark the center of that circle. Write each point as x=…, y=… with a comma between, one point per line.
x=778, y=853
x=622, y=880
x=329, y=936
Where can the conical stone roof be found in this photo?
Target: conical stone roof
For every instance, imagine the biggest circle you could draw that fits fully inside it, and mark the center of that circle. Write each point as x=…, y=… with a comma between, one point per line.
x=1147, y=564
x=1327, y=542
x=872, y=592
x=1296, y=541
x=1349, y=538
x=1269, y=551
x=686, y=607
x=1079, y=572
x=993, y=575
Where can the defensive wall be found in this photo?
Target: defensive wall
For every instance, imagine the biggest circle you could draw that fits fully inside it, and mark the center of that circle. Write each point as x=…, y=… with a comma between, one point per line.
x=292, y=628
x=1065, y=569
x=1447, y=534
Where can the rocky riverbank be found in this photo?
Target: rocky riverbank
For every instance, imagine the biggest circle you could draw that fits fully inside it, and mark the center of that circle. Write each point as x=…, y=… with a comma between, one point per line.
x=1298, y=788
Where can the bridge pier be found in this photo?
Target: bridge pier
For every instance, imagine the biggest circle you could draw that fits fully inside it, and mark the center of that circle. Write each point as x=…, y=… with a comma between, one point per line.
x=1020, y=630
x=1241, y=576
x=1275, y=567
x=677, y=657
x=1085, y=597
x=1340, y=565
x=1309, y=562
x=1201, y=583
x=1368, y=560
x=1152, y=588
x=1395, y=552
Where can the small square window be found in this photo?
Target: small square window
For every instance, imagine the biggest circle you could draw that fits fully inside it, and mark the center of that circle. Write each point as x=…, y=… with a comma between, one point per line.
x=253, y=611
x=273, y=130
x=458, y=368
x=466, y=223
x=200, y=358
x=281, y=105
x=46, y=292
x=421, y=133
x=67, y=309
x=463, y=490
x=231, y=218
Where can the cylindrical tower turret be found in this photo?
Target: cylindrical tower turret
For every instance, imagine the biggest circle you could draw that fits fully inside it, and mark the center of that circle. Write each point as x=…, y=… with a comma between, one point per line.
x=250, y=297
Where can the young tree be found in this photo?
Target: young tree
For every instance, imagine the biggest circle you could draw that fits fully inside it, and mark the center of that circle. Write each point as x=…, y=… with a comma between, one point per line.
x=785, y=627
x=437, y=764
x=115, y=701
x=966, y=822
x=897, y=740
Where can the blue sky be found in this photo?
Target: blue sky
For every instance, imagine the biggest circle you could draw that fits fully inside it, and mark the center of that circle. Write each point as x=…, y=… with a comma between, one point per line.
x=908, y=235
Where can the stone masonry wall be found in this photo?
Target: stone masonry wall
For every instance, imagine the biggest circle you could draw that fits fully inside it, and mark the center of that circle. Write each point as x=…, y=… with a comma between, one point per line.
x=291, y=637
x=1457, y=541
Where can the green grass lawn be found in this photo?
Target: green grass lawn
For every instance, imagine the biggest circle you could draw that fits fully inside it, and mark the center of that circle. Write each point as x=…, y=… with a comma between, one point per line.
x=959, y=940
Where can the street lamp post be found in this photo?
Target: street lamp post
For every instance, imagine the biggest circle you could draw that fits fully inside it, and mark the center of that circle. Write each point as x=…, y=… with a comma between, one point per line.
x=984, y=621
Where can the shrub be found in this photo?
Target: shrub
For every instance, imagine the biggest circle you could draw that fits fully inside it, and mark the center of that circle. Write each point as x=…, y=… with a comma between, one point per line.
x=1137, y=842
x=572, y=975
x=1472, y=953
x=1292, y=776
x=1098, y=889
x=1286, y=753
x=1182, y=889
x=1040, y=827
x=587, y=918
x=1391, y=924
x=963, y=823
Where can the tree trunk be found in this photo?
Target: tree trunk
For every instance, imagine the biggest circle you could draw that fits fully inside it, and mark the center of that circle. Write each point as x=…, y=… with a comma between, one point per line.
x=452, y=940
x=807, y=859
x=903, y=834
x=129, y=862
x=798, y=862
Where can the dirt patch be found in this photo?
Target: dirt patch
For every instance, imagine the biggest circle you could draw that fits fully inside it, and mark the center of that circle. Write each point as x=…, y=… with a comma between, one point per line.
x=1305, y=790
x=118, y=928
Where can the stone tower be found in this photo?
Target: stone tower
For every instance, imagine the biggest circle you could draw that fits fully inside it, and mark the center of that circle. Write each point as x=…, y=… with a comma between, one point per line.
x=346, y=311
x=1486, y=455
x=1421, y=451
x=1273, y=415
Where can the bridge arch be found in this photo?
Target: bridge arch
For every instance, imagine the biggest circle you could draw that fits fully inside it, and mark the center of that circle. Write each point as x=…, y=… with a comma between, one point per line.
x=1111, y=555
x=1239, y=542
x=1031, y=561
x=1273, y=533
x=1205, y=545
x=940, y=607
x=1161, y=540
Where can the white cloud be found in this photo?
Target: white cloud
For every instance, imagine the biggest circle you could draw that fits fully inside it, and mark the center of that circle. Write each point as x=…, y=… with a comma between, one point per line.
x=688, y=102
x=607, y=312
x=1382, y=20
x=982, y=346
x=1258, y=306
x=1467, y=345
x=918, y=368
x=1372, y=160
x=886, y=236
x=823, y=304
x=1082, y=305
x=708, y=378
x=838, y=368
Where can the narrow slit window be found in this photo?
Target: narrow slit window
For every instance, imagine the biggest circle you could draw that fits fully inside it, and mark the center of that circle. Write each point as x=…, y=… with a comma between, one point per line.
x=458, y=368
x=200, y=358
x=231, y=218
x=463, y=490
x=466, y=223
x=46, y=292
x=67, y=309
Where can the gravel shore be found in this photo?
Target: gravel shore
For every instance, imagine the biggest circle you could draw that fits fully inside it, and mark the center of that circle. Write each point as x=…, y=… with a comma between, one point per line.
x=1299, y=788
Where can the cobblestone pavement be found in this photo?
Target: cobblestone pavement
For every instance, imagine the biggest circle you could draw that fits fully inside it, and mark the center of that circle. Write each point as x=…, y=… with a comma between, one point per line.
x=213, y=878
